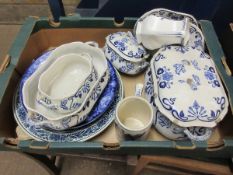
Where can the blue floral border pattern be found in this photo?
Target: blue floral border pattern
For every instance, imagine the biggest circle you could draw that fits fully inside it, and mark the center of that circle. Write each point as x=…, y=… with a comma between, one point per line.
x=165, y=77
x=195, y=111
x=79, y=135
x=171, y=15
x=72, y=102
x=20, y=111
x=123, y=45
x=162, y=123
x=198, y=40
x=97, y=110
x=127, y=66
x=211, y=76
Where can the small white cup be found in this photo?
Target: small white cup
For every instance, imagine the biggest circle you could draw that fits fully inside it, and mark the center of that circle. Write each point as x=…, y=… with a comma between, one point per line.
x=134, y=117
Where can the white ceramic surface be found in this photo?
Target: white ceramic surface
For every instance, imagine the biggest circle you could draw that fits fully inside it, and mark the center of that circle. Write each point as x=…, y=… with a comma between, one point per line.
x=165, y=126
x=146, y=22
x=30, y=86
x=154, y=32
x=168, y=14
x=134, y=117
x=125, y=53
x=186, y=80
x=66, y=83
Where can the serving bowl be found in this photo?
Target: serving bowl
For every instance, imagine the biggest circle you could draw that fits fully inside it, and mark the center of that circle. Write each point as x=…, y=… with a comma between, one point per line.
x=164, y=125
x=29, y=89
x=154, y=31
x=167, y=14
x=189, y=90
x=66, y=83
x=124, y=52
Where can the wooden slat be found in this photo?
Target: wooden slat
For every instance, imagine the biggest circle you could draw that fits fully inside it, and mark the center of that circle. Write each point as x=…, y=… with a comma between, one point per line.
x=183, y=163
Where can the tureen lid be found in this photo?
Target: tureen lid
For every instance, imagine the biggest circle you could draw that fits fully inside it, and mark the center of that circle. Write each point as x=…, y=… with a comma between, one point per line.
x=189, y=90
x=126, y=45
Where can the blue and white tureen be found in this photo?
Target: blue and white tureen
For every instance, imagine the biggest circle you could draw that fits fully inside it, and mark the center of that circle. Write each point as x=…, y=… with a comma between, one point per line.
x=124, y=52
x=186, y=90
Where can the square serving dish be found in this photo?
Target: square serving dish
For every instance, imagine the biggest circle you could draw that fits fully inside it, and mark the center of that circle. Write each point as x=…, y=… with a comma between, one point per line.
x=38, y=35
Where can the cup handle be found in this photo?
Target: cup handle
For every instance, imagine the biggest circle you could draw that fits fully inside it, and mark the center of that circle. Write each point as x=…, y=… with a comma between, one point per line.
x=138, y=89
x=92, y=43
x=198, y=138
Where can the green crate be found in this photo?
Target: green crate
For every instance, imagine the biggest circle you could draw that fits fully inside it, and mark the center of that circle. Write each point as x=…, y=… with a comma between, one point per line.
x=12, y=73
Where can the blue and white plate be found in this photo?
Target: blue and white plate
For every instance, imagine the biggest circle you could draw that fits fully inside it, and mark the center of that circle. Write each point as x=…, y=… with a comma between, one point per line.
x=104, y=101
x=79, y=135
x=111, y=95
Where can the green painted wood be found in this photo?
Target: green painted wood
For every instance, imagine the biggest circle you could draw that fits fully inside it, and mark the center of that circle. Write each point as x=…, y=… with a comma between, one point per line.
x=216, y=52
x=83, y=22
x=15, y=51
x=4, y=80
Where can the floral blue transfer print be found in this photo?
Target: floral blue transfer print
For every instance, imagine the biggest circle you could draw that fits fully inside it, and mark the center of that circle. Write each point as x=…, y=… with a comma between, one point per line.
x=159, y=57
x=164, y=48
x=120, y=45
x=181, y=49
x=197, y=111
x=195, y=64
x=165, y=77
x=123, y=42
x=211, y=76
x=149, y=88
x=194, y=111
x=179, y=68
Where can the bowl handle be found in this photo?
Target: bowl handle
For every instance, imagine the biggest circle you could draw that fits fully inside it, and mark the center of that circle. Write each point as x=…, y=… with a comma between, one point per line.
x=198, y=138
x=92, y=43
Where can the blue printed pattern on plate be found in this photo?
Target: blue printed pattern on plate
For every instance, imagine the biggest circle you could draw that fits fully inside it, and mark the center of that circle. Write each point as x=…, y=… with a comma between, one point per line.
x=82, y=134
x=162, y=123
x=175, y=72
x=105, y=100
x=111, y=89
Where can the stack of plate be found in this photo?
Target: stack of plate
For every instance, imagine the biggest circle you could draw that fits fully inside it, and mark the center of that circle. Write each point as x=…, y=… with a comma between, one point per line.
x=68, y=94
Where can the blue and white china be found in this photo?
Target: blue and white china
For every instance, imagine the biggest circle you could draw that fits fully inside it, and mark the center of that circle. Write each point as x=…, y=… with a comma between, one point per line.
x=41, y=114
x=165, y=126
x=134, y=117
x=38, y=132
x=66, y=83
x=166, y=14
x=154, y=32
x=175, y=16
x=189, y=90
x=124, y=52
x=105, y=100
x=196, y=38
